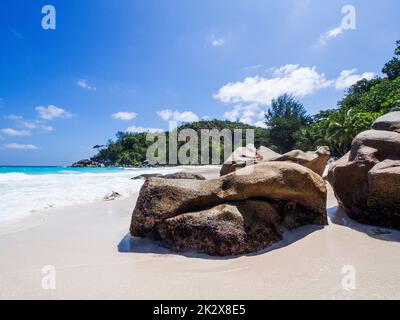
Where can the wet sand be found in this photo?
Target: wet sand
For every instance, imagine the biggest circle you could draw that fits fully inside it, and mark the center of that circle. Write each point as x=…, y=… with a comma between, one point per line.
x=94, y=258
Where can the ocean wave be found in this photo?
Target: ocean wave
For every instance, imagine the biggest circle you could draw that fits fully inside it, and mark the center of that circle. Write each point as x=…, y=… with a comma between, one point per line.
x=13, y=176
x=22, y=194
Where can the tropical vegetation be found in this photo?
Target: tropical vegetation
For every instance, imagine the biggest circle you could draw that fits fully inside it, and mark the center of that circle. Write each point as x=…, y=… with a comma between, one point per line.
x=131, y=148
x=288, y=125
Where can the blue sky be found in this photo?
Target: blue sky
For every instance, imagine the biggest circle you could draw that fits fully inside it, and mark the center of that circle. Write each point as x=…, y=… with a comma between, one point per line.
x=113, y=65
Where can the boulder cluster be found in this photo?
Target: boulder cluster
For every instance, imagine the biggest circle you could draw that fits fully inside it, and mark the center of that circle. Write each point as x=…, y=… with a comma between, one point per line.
x=261, y=193
x=240, y=212
x=367, y=179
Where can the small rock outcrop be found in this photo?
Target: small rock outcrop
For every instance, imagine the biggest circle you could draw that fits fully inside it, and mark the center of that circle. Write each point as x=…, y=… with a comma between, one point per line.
x=147, y=176
x=177, y=175
x=112, y=196
x=87, y=163
x=366, y=180
x=234, y=214
x=184, y=175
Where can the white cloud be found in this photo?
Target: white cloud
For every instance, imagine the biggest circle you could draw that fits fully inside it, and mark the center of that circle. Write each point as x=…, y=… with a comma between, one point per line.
x=46, y=128
x=330, y=34
x=13, y=117
x=135, y=129
x=253, y=94
x=251, y=68
x=349, y=77
x=232, y=115
x=85, y=85
x=165, y=114
x=333, y=33
x=20, y=122
x=291, y=79
x=260, y=123
x=251, y=114
x=52, y=112
x=124, y=116
x=174, y=115
x=16, y=133
x=217, y=42
x=18, y=146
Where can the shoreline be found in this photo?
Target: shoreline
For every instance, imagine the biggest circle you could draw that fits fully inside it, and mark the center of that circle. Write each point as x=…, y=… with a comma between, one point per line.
x=30, y=191
x=94, y=258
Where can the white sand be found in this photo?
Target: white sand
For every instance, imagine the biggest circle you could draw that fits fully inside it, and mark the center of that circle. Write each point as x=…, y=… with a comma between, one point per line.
x=86, y=246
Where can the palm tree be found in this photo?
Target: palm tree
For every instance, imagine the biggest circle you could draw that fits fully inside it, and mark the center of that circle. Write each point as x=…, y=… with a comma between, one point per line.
x=340, y=131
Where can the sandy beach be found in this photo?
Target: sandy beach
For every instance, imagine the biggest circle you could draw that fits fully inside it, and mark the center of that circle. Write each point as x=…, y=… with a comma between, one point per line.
x=95, y=258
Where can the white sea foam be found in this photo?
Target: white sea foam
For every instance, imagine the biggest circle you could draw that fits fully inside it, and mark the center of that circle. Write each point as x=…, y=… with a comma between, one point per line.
x=23, y=194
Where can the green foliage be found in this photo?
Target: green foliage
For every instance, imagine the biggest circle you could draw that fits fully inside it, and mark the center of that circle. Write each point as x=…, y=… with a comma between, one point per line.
x=289, y=126
x=131, y=148
x=392, y=68
x=284, y=119
x=128, y=149
x=364, y=102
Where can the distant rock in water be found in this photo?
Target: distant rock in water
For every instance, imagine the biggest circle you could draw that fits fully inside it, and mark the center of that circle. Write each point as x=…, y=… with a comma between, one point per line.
x=114, y=195
x=314, y=160
x=238, y=213
x=87, y=163
x=177, y=175
x=367, y=179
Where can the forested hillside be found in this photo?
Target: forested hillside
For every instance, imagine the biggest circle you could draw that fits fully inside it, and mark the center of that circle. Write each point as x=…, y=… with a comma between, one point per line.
x=131, y=148
x=288, y=124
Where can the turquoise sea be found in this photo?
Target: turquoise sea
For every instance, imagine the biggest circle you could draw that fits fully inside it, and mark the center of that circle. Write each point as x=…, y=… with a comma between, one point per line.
x=30, y=190
x=59, y=170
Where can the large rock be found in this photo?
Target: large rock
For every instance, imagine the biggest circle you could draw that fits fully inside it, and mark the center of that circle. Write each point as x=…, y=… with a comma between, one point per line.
x=225, y=229
x=388, y=122
x=237, y=213
x=241, y=157
x=387, y=144
x=366, y=180
x=314, y=160
x=266, y=154
x=384, y=193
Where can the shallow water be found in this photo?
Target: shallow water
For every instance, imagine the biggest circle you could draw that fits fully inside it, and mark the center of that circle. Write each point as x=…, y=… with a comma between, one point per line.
x=27, y=190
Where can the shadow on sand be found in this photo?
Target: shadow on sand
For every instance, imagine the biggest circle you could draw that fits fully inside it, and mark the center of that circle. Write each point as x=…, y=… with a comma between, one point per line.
x=131, y=244
x=338, y=216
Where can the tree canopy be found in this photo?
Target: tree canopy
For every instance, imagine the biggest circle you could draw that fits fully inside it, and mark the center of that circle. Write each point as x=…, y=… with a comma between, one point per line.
x=288, y=124
x=131, y=148
x=284, y=119
x=364, y=101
